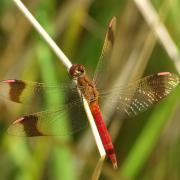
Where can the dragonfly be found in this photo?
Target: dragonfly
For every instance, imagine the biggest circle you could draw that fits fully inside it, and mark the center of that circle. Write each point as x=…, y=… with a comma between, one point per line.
x=132, y=99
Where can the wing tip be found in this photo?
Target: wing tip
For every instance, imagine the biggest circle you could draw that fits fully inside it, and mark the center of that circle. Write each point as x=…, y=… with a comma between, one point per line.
x=112, y=22
x=9, y=81
x=111, y=30
x=19, y=120
x=164, y=73
x=172, y=76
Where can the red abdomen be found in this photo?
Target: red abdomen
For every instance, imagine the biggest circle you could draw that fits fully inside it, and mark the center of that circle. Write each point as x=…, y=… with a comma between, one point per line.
x=103, y=132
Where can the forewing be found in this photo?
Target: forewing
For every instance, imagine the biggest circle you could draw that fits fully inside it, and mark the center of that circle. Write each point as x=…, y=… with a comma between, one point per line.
x=102, y=66
x=142, y=94
x=51, y=122
x=20, y=91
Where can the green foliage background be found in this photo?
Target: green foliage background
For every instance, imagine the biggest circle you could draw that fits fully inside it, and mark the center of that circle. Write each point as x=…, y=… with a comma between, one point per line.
x=147, y=146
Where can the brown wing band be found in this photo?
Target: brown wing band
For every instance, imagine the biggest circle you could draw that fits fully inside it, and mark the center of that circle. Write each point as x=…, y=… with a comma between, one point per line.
x=16, y=89
x=30, y=125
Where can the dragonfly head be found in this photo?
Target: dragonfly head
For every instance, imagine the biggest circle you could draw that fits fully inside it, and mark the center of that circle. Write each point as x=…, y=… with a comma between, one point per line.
x=77, y=70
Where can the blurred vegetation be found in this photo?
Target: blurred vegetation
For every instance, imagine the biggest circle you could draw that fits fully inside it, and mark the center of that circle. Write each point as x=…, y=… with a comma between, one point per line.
x=147, y=146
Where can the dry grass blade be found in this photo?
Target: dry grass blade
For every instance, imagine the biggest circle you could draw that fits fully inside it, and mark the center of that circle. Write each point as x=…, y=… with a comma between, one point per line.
x=98, y=168
x=159, y=29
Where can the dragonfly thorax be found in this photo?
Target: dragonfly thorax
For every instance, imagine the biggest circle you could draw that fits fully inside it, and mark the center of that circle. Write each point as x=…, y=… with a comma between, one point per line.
x=85, y=85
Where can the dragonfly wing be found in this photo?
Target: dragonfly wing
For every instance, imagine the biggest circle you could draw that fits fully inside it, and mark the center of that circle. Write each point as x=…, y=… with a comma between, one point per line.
x=47, y=123
x=142, y=94
x=101, y=69
x=18, y=91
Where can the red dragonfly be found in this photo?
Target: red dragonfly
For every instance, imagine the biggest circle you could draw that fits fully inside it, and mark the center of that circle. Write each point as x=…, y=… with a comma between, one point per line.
x=134, y=98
